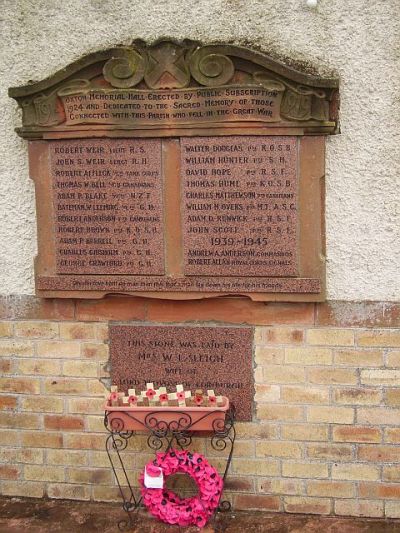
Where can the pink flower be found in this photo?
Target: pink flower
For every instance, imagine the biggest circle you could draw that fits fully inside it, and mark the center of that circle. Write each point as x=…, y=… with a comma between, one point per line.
x=212, y=400
x=132, y=400
x=180, y=395
x=150, y=393
x=163, y=397
x=114, y=397
x=199, y=400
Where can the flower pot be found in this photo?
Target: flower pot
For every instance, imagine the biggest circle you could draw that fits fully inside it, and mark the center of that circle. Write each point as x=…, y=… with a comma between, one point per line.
x=162, y=420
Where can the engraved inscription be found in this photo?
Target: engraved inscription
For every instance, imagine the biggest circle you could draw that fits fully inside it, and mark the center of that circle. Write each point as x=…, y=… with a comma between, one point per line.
x=180, y=106
x=205, y=358
x=107, y=197
x=193, y=284
x=239, y=206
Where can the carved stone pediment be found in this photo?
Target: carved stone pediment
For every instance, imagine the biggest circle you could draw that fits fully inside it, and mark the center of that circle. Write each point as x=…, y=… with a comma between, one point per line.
x=168, y=87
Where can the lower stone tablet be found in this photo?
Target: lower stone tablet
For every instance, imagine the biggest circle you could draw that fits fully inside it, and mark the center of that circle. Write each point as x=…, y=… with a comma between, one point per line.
x=218, y=358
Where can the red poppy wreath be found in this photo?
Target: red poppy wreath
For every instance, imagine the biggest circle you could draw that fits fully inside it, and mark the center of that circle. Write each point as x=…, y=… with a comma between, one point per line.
x=168, y=506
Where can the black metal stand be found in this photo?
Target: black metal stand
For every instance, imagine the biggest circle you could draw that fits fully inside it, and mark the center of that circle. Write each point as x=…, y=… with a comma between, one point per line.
x=161, y=437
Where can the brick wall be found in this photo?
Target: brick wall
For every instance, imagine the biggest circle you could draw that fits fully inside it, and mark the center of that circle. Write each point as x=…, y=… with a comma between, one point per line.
x=325, y=437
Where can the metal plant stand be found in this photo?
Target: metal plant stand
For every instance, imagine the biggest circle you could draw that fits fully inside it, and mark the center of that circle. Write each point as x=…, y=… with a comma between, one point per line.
x=178, y=431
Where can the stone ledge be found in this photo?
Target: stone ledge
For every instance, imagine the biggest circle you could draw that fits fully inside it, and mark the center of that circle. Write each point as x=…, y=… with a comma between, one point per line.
x=230, y=310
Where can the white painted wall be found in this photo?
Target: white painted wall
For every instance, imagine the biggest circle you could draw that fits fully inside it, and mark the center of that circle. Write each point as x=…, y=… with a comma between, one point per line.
x=357, y=40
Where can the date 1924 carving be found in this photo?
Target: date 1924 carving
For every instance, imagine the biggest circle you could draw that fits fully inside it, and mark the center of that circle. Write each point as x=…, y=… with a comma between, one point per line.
x=175, y=106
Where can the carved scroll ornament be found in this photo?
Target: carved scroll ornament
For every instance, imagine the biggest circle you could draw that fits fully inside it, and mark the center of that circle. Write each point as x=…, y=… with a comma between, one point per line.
x=125, y=71
x=131, y=74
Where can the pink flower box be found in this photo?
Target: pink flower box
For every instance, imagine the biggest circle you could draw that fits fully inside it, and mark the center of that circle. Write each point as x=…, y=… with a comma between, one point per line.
x=161, y=418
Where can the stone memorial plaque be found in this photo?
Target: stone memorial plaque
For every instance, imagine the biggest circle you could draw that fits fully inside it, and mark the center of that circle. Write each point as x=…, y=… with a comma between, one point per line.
x=107, y=197
x=239, y=206
x=179, y=171
x=204, y=358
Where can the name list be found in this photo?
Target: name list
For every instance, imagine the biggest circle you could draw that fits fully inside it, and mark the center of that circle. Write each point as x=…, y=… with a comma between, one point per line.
x=107, y=197
x=239, y=206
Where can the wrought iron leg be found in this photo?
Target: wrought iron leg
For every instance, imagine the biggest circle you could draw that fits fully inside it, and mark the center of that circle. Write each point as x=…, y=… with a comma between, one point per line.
x=163, y=438
x=115, y=442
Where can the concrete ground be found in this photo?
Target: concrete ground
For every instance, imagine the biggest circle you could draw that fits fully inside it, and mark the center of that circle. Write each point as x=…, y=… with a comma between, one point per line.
x=19, y=515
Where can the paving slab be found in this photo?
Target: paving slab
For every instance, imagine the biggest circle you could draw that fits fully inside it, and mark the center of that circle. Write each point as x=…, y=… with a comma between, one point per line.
x=18, y=515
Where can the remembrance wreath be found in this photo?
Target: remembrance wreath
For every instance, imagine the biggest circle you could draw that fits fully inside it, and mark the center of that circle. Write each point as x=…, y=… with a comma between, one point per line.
x=167, y=506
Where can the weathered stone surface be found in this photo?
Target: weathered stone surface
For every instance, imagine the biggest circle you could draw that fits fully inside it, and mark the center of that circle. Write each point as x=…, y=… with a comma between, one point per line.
x=199, y=80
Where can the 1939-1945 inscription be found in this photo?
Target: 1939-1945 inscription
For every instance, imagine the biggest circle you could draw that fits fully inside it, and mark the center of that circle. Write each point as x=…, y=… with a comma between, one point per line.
x=239, y=206
x=179, y=170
